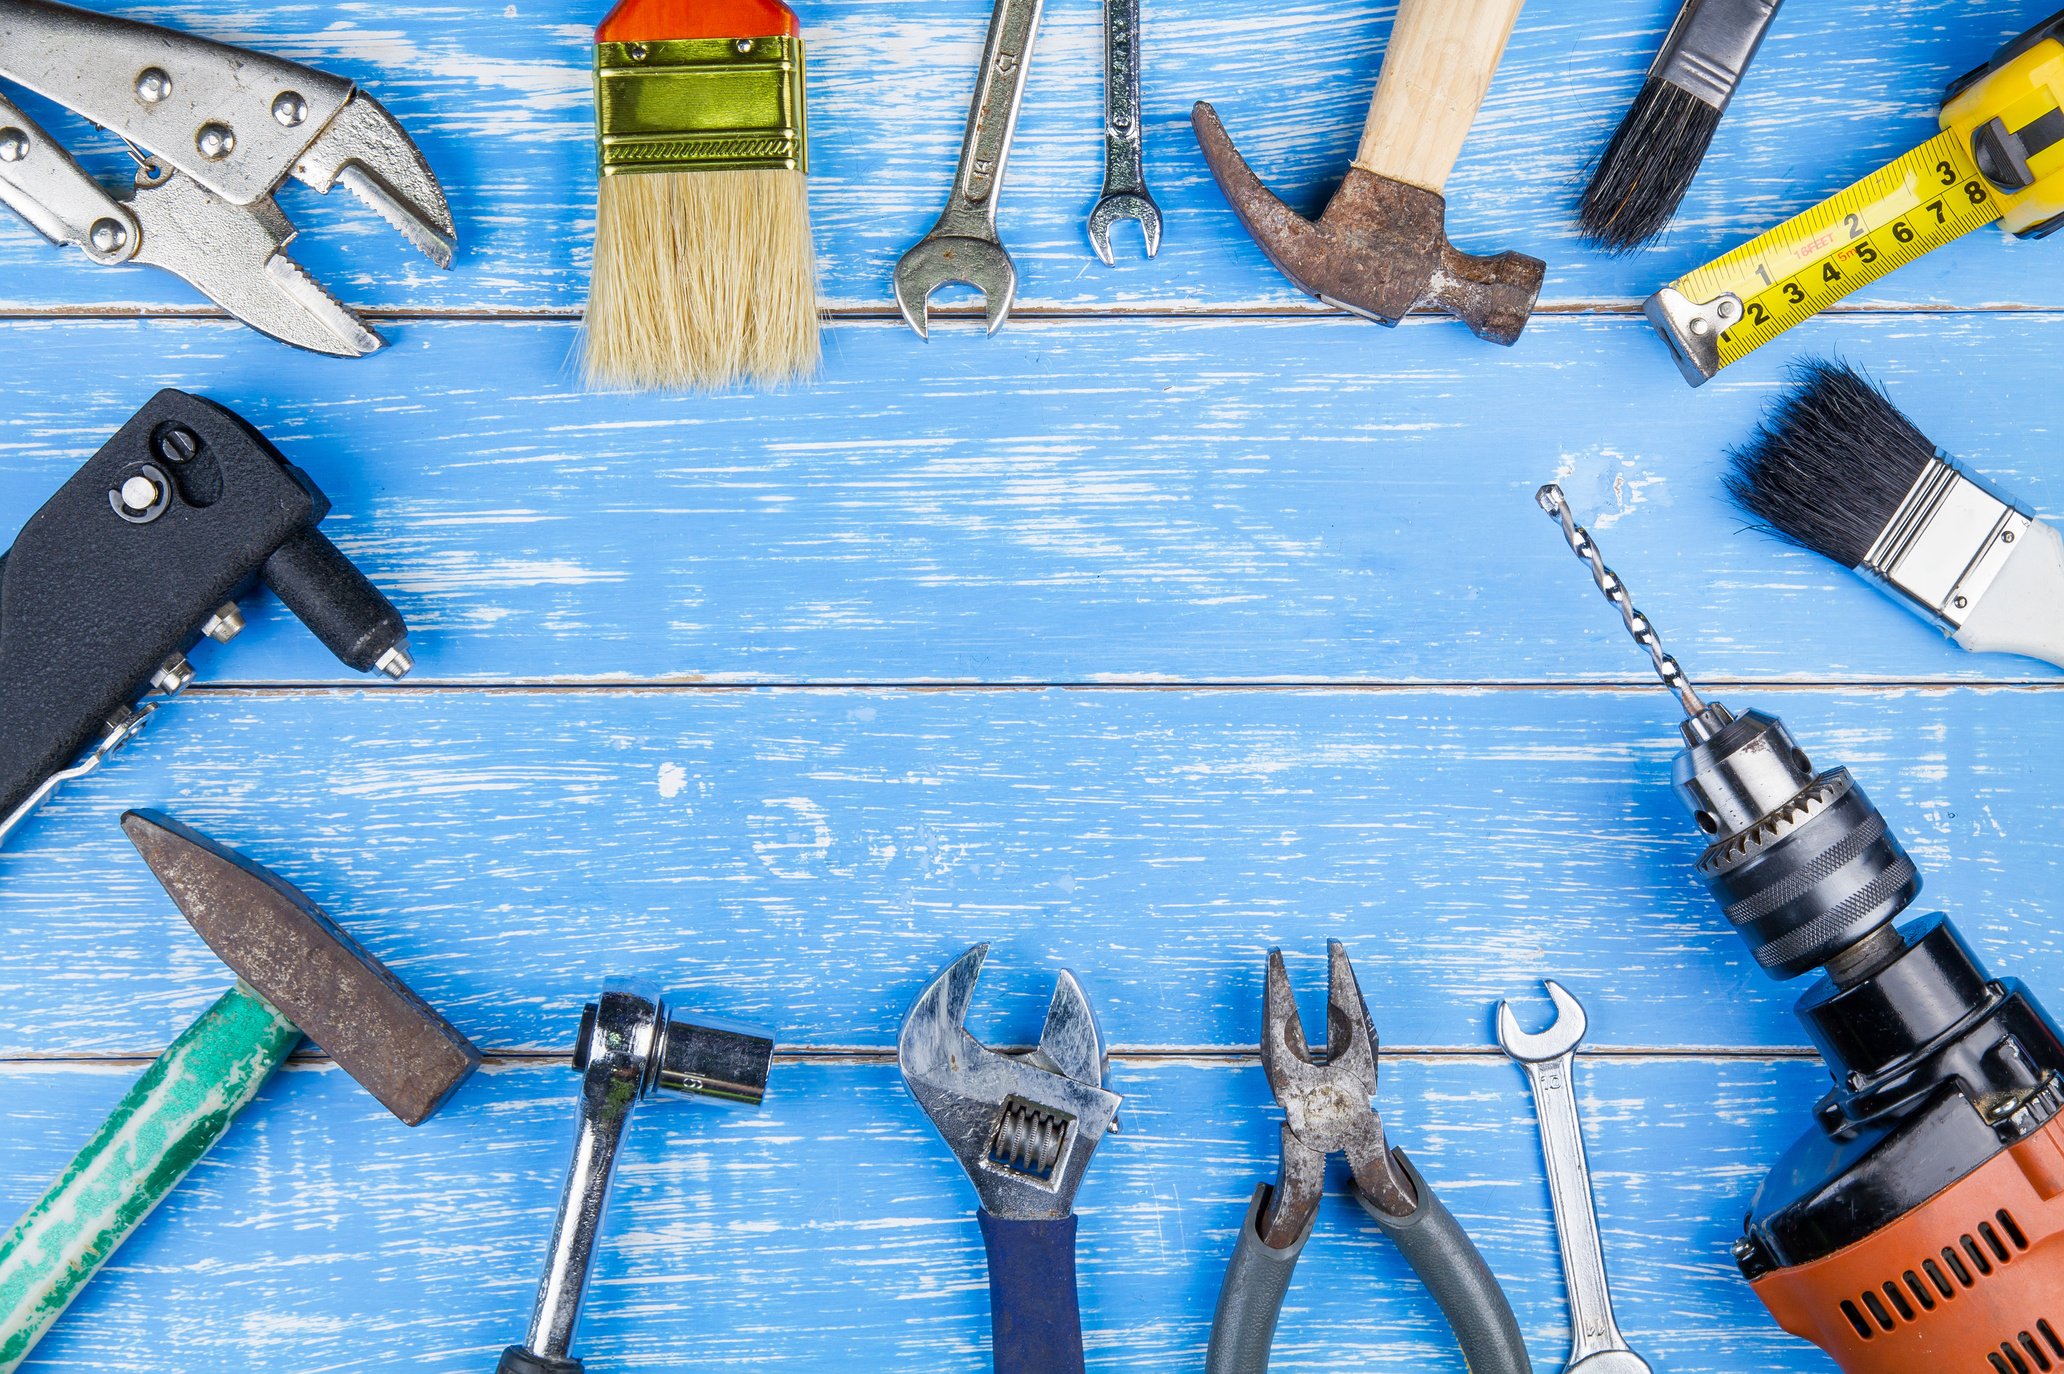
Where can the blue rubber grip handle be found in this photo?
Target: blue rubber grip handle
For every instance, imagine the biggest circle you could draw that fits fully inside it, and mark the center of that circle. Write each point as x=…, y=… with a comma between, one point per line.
x=1033, y=1316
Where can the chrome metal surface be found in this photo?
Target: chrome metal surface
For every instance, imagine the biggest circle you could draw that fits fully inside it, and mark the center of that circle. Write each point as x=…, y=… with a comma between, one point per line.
x=1326, y=1108
x=1548, y=1058
x=226, y=624
x=986, y=1105
x=1125, y=194
x=1742, y=774
x=102, y=66
x=630, y=1047
x=43, y=183
x=120, y=732
x=1944, y=547
x=224, y=127
x=1693, y=330
x=963, y=246
x=1581, y=543
x=1711, y=45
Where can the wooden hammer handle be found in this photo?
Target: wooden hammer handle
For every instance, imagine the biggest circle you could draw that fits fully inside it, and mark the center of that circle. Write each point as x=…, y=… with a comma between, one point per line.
x=159, y=1130
x=1441, y=58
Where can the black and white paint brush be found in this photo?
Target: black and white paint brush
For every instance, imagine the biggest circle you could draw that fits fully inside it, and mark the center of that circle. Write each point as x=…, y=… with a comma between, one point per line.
x=1837, y=469
x=1646, y=169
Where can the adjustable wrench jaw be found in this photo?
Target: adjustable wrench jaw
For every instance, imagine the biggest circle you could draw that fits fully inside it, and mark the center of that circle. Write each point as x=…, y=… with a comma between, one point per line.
x=1023, y=1127
x=1327, y=1108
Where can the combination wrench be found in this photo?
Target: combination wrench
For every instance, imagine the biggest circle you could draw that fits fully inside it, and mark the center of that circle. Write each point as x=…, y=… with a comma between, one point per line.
x=963, y=245
x=1125, y=193
x=1548, y=1058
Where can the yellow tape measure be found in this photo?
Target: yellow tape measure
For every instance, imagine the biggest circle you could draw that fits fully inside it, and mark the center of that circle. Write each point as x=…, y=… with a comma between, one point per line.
x=2000, y=155
x=1911, y=206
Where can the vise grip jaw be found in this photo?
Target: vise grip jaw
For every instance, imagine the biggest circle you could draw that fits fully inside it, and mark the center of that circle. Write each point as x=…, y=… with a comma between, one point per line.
x=140, y=555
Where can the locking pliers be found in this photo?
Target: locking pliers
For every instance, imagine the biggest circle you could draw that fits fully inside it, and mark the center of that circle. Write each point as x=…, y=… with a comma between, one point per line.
x=219, y=129
x=1327, y=1110
x=1024, y=1127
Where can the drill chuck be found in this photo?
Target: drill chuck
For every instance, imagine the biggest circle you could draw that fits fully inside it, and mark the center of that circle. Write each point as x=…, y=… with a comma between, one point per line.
x=1803, y=865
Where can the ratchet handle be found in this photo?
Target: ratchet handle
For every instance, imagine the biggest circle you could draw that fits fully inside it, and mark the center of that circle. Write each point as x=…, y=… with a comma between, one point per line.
x=1034, y=1319
x=1251, y=1299
x=1453, y=1270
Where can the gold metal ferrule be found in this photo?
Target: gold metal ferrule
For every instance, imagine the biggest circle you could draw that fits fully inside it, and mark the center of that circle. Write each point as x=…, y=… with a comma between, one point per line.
x=701, y=105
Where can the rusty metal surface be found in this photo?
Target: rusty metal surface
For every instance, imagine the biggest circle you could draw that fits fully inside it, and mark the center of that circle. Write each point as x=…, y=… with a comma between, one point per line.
x=288, y=952
x=1380, y=249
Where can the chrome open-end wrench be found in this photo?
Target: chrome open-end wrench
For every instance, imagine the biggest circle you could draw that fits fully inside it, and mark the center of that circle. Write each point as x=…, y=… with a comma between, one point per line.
x=1597, y=1346
x=1125, y=178
x=963, y=245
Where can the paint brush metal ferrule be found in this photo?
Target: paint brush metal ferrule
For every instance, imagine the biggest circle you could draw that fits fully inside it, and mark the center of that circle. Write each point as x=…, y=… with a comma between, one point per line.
x=1711, y=45
x=701, y=105
x=1945, y=545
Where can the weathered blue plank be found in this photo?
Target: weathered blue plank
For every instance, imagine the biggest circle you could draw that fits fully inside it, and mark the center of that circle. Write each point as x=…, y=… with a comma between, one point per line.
x=498, y=97
x=800, y=856
x=832, y=1226
x=1201, y=501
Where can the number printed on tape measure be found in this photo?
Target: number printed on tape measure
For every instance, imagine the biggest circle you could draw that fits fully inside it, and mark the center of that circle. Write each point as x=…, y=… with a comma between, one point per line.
x=1906, y=208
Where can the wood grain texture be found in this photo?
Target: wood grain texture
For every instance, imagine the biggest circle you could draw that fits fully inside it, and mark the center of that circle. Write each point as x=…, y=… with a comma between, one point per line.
x=810, y=858
x=672, y=714
x=832, y=1225
x=498, y=97
x=1229, y=500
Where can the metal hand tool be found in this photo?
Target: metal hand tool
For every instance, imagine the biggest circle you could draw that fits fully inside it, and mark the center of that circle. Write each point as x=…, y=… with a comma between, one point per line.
x=963, y=246
x=630, y=1047
x=1381, y=247
x=1024, y=1128
x=141, y=555
x=1125, y=177
x=297, y=974
x=1327, y=1111
x=224, y=127
x=1548, y=1058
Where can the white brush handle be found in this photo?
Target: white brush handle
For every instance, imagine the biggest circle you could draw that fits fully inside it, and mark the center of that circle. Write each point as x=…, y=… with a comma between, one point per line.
x=1438, y=66
x=2023, y=611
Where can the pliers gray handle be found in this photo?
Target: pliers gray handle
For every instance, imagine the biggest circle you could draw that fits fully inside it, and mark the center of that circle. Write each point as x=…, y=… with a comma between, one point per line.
x=1327, y=1110
x=1434, y=1244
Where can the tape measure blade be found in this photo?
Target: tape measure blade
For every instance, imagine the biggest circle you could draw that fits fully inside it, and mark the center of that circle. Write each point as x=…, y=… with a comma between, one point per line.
x=1910, y=206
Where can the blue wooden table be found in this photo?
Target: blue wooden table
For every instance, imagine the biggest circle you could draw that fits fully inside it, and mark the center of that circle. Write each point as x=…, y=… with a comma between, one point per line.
x=1182, y=618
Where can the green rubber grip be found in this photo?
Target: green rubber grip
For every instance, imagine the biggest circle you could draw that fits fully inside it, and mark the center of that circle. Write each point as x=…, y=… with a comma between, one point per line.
x=158, y=1131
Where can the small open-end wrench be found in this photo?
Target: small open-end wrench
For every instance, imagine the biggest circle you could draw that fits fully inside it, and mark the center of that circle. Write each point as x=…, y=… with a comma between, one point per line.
x=963, y=245
x=1125, y=178
x=1596, y=1346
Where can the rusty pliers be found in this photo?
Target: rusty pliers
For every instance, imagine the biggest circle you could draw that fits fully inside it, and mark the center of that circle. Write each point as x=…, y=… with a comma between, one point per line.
x=1327, y=1110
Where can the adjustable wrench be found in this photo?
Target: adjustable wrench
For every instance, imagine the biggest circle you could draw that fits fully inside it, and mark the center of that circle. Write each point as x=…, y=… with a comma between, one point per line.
x=1125, y=178
x=963, y=245
x=1023, y=1127
x=1548, y=1057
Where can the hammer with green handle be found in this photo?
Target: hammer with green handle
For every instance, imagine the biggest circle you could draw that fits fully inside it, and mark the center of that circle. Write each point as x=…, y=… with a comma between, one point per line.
x=297, y=974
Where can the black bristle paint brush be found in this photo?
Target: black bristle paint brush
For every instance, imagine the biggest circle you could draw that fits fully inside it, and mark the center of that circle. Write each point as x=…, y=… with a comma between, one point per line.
x=1646, y=169
x=1837, y=469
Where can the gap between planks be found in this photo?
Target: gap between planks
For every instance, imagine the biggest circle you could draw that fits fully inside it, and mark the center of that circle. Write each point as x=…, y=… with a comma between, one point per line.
x=885, y=316
x=1147, y=1056
x=1377, y=687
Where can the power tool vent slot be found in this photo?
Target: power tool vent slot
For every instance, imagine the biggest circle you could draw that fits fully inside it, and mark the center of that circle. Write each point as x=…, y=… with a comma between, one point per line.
x=2030, y=1352
x=1980, y=1251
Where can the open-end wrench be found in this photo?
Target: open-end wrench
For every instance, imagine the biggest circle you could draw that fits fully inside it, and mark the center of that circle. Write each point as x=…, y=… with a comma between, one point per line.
x=1597, y=1346
x=963, y=245
x=1125, y=178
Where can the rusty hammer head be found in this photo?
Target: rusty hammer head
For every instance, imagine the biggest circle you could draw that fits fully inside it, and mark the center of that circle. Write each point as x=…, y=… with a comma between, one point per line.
x=288, y=952
x=1380, y=249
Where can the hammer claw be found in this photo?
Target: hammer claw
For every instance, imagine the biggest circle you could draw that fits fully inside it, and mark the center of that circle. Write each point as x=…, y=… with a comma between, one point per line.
x=1379, y=250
